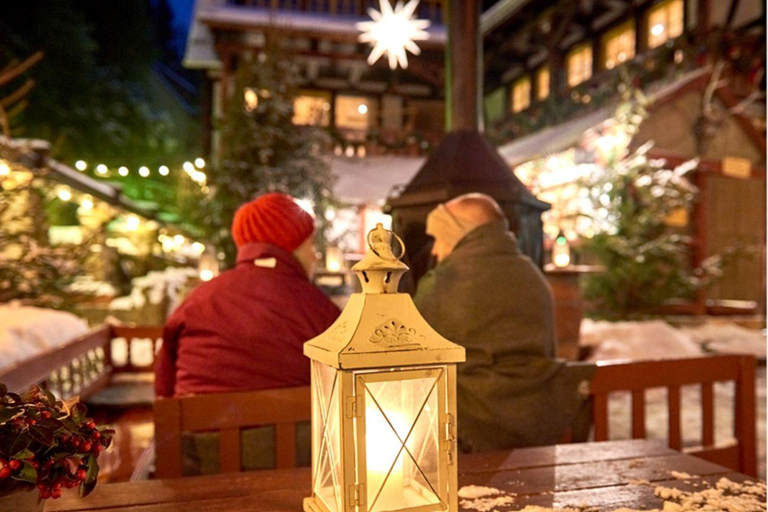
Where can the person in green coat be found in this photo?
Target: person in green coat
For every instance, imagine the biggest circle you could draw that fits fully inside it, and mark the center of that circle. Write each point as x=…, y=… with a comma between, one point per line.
x=487, y=296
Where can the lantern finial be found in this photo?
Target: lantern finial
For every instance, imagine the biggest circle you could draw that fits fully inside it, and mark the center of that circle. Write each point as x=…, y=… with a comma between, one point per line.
x=380, y=270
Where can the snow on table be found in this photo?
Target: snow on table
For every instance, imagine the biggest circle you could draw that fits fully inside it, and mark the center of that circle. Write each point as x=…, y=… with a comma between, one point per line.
x=27, y=331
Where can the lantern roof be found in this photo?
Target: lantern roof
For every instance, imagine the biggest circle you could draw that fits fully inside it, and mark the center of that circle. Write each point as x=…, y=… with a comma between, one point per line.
x=380, y=327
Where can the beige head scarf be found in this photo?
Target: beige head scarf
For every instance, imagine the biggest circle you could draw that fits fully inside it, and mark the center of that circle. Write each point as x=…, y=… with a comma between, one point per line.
x=447, y=227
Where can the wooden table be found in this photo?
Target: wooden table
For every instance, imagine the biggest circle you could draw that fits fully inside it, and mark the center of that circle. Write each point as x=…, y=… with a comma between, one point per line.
x=602, y=475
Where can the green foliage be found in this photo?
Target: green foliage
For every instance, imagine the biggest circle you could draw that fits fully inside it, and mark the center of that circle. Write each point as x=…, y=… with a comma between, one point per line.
x=48, y=443
x=261, y=149
x=90, y=98
x=646, y=261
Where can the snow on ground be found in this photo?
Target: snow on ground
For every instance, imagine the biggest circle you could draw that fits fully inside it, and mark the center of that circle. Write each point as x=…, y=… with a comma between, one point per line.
x=27, y=331
x=155, y=286
x=657, y=339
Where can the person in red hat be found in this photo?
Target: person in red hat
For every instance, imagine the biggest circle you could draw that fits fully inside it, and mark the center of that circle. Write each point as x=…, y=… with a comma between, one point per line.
x=244, y=330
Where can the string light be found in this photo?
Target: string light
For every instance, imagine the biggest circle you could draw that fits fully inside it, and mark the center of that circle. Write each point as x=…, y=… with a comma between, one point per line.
x=101, y=169
x=5, y=170
x=132, y=222
x=87, y=204
x=199, y=163
x=64, y=194
x=188, y=167
x=163, y=170
x=143, y=171
x=80, y=165
x=123, y=171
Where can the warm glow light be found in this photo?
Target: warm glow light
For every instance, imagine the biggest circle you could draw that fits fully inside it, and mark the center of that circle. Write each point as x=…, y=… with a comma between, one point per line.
x=65, y=195
x=251, y=99
x=206, y=275
x=198, y=247
x=132, y=222
x=80, y=165
x=562, y=260
x=5, y=170
x=189, y=167
x=163, y=170
x=199, y=163
x=393, y=31
x=657, y=29
x=362, y=109
x=143, y=171
x=333, y=258
x=307, y=205
x=101, y=169
x=381, y=447
x=179, y=239
x=86, y=204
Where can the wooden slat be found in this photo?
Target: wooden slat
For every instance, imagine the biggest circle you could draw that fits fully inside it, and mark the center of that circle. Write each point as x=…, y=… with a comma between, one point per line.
x=561, y=454
x=167, y=415
x=707, y=414
x=744, y=426
x=21, y=376
x=229, y=450
x=727, y=456
x=285, y=445
x=673, y=407
x=267, y=407
x=600, y=416
x=612, y=376
x=638, y=414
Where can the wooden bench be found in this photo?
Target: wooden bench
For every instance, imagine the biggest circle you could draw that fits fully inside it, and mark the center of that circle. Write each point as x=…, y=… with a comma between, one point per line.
x=228, y=414
x=84, y=365
x=636, y=377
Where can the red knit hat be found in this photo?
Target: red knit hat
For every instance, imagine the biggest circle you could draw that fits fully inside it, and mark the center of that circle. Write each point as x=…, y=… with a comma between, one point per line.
x=275, y=219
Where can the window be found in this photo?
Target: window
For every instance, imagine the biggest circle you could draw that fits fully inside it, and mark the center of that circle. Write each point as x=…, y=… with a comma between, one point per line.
x=355, y=112
x=619, y=45
x=542, y=83
x=665, y=22
x=521, y=94
x=579, y=64
x=312, y=108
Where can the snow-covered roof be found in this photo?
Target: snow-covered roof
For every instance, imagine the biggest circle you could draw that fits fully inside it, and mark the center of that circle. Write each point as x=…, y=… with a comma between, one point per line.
x=369, y=180
x=199, y=53
x=566, y=135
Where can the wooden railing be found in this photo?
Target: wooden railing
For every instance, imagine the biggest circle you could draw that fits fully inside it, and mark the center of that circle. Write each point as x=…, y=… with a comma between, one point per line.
x=84, y=365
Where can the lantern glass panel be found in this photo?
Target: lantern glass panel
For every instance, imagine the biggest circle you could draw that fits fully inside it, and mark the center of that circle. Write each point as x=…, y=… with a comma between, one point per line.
x=401, y=449
x=326, y=443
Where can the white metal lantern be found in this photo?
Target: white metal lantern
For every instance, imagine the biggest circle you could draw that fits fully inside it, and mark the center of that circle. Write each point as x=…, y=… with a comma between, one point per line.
x=384, y=400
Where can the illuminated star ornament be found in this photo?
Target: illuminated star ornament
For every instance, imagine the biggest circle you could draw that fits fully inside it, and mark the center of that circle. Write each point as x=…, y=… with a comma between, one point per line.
x=393, y=31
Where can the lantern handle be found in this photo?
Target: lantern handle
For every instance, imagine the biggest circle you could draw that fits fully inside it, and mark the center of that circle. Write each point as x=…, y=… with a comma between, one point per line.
x=371, y=245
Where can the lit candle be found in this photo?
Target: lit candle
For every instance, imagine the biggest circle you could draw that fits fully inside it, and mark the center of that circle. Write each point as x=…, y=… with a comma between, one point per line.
x=381, y=448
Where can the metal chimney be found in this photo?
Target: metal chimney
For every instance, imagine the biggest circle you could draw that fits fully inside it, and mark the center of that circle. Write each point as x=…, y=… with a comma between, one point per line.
x=464, y=161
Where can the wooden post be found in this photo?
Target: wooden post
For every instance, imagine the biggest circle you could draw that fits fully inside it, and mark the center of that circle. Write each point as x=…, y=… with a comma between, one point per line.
x=462, y=73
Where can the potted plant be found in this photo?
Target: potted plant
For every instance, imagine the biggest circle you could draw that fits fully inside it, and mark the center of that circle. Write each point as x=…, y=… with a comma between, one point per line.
x=46, y=445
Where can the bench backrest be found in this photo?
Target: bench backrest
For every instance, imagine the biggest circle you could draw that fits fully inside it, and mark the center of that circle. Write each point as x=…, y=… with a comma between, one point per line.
x=228, y=414
x=636, y=377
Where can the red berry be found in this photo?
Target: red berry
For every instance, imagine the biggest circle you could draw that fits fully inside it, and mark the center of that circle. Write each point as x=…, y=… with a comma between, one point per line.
x=91, y=425
x=56, y=494
x=5, y=472
x=45, y=494
x=3, y=463
x=86, y=446
x=70, y=484
x=45, y=414
x=81, y=474
x=75, y=442
x=35, y=464
x=14, y=464
x=65, y=439
x=31, y=421
x=96, y=435
x=47, y=464
x=97, y=449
